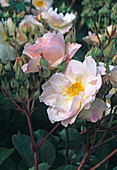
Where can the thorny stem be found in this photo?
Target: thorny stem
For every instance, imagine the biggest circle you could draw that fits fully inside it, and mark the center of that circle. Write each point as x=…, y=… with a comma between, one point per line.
x=104, y=160
x=67, y=145
x=47, y=135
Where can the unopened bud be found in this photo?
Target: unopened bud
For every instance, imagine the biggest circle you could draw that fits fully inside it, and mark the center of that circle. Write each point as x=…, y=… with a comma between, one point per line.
x=14, y=15
x=26, y=28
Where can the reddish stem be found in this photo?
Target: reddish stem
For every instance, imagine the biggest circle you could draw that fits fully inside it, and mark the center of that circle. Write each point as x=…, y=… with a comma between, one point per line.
x=104, y=160
x=47, y=135
x=83, y=160
x=30, y=6
x=33, y=142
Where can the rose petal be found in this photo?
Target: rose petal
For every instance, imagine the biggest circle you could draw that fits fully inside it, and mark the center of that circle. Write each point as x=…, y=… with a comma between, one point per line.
x=95, y=112
x=72, y=48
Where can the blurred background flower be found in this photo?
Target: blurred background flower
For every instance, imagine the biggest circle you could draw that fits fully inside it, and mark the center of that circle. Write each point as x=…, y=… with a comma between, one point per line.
x=4, y=3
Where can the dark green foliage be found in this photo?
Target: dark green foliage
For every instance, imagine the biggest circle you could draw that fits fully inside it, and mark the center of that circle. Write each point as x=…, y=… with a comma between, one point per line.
x=22, y=144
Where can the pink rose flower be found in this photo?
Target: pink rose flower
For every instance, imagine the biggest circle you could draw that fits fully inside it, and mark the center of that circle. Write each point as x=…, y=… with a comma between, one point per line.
x=52, y=47
x=67, y=94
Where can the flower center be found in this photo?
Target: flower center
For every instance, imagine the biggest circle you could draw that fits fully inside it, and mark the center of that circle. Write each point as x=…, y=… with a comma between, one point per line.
x=74, y=89
x=39, y=3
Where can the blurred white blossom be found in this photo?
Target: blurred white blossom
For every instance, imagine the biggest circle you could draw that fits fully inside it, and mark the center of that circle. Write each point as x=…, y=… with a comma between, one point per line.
x=57, y=21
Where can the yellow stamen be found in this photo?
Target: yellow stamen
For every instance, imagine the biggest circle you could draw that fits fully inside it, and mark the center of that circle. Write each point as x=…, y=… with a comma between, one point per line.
x=39, y=3
x=74, y=89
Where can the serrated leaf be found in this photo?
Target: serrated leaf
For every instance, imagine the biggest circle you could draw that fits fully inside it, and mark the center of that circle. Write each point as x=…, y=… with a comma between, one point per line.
x=42, y=166
x=22, y=144
x=5, y=153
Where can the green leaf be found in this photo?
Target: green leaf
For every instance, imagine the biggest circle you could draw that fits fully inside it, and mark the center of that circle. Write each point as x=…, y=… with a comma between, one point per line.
x=74, y=135
x=61, y=67
x=7, y=67
x=5, y=153
x=92, y=52
x=41, y=133
x=47, y=152
x=16, y=6
x=46, y=72
x=22, y=144
x=36, y=95
x=67, y=167
x=115, y=168
x=8, y=165
x=74, y=140
x=22, y=166
x=42, y=166
x=44, y=62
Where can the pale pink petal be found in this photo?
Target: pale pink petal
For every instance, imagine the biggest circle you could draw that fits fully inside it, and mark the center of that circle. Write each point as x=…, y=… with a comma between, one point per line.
x=53, y=115
x=90, y=90
x=33, y=65
x=99, y=82
x=31, y=50
x=101, y=70
x=75, y=71
x=56, y=63
x=53, y=54
x=48, y=96
x=58, y=40
x=63, y=103
x=76, y=105
x=95, y=112
x=46, y=85
x=59, y=82
x=72, y=48
x=90, y=64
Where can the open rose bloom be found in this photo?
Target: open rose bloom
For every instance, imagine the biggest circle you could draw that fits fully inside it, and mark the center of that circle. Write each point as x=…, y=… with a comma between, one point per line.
x=52, y=47
x=67, y=94
x=57, y=21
